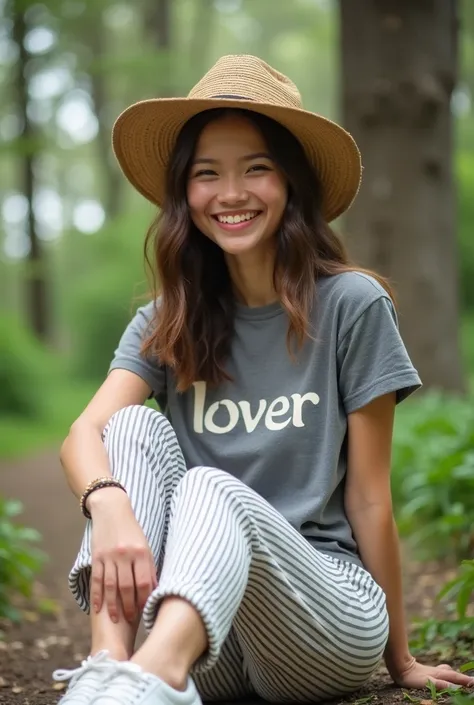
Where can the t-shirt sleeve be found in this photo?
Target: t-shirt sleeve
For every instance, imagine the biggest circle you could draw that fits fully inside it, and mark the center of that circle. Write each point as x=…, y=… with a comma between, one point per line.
x=372, y=358
x=127, y=356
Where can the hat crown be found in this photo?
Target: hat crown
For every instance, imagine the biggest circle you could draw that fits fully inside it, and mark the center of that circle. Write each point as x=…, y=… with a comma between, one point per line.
x=248, y=78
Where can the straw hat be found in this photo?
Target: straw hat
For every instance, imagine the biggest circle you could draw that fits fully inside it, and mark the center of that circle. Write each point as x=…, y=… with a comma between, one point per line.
x=145, y=133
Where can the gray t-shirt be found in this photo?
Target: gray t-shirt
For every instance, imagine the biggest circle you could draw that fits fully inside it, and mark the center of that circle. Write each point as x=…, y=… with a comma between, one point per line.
x=280, y=426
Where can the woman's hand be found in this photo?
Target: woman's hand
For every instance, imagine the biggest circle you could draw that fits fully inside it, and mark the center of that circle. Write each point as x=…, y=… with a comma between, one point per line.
x=123, y=568
x=443, y=676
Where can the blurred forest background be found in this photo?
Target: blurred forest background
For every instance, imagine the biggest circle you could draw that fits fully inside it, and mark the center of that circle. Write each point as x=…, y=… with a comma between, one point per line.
x=398, y=75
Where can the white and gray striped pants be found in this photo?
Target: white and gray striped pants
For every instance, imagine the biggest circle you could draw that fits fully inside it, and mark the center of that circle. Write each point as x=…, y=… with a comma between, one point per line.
x=284, y=621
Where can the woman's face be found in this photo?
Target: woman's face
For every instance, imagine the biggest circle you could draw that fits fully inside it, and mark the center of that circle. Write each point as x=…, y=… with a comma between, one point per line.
x=236, y=193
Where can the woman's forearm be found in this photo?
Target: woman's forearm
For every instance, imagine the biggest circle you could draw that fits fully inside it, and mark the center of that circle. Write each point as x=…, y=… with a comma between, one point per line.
x=84, y=459
x=83, y=456
x=377, y=537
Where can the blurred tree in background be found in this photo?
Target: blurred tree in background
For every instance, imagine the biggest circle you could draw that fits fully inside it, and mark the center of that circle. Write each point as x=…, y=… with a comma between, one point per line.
x=28, y=146
x=397, y=96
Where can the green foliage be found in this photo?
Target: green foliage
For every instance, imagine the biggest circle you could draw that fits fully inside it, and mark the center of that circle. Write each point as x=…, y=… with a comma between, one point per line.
x=468, y=344
x=20, y=561
x=26, y=369
x=462, y=699
x=465, y=173
x=38, y=401
x=106, y=282
x=448, y=696
x=444, y=639
x=433, y=475
x=101, y=313
x=66, y=399
x=461, y=587
x=436, y=694
x=451, y=635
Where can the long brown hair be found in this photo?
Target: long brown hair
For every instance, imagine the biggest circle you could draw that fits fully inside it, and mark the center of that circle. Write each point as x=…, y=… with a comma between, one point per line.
x=193, y=324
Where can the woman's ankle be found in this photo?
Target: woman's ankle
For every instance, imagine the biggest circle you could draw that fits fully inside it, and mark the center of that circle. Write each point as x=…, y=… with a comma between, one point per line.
x=173, y=674
x=116, y=651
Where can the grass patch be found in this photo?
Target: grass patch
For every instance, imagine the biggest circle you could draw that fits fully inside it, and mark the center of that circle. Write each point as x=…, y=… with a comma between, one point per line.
x=20, y=435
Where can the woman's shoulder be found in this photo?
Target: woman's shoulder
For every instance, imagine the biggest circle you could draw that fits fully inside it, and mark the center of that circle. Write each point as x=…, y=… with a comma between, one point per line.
x=352, y=290
x=146, y=312
x=343, y=298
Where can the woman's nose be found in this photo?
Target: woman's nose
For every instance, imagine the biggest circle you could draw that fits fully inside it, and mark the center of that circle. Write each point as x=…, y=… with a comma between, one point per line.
x=232, y=192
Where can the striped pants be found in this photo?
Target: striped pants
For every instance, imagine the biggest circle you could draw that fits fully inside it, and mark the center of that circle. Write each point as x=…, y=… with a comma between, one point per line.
x=284, y=621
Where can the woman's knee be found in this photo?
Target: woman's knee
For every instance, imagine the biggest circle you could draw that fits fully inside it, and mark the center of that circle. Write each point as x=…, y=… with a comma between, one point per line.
x=136, y=421
x=208, y=480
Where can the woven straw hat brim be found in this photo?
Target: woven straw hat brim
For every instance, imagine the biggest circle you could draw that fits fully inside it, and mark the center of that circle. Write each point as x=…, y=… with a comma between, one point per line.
x=144, y=136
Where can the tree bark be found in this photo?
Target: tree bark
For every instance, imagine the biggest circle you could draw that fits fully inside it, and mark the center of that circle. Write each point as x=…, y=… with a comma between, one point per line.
x=36, y=284
x=204, y=12
x=157, y=19
x=399, y=69
x=113, y=179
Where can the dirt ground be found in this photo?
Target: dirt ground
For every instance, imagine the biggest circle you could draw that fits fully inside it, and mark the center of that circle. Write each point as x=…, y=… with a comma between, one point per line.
x=58, y=639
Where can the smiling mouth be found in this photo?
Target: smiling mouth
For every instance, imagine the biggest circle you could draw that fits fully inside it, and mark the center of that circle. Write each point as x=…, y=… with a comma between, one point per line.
x=237, y=218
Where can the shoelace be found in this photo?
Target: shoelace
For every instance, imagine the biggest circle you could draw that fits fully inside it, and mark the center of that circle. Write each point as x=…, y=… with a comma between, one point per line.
x=98, y=662
x=128, y=683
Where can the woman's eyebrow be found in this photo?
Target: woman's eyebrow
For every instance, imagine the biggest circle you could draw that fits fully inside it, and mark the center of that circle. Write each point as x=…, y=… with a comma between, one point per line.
x=257, y=155
x=246, y=158
x=205, y=160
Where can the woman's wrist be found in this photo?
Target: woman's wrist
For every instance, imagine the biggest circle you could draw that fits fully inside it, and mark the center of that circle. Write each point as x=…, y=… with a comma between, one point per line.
x=399, y=664
x=106, y=497
x=97, y=484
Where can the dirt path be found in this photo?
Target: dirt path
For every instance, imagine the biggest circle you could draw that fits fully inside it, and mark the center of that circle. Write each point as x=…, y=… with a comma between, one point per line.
x=43, y=643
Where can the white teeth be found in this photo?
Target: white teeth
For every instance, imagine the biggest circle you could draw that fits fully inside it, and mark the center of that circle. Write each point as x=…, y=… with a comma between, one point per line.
x=236, y=218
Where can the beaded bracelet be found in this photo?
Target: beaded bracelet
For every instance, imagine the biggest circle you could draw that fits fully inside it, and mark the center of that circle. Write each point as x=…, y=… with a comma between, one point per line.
x=97, y=484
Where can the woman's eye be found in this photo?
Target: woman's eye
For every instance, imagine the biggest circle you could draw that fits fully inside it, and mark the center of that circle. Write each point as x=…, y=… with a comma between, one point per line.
x=259, y=167
x=205, y=172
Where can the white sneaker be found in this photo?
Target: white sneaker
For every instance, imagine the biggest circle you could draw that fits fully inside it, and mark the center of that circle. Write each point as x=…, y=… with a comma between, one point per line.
x=86, y=680
x=131, y=685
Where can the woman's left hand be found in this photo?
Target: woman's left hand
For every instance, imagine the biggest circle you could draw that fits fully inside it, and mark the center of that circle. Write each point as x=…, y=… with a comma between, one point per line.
x=443, y=676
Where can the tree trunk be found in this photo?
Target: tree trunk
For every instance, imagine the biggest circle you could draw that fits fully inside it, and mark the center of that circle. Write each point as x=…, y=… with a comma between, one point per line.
x=204, y=13
x=157, y=19
x=399, y=64
x=36, y=285
x=113, y=178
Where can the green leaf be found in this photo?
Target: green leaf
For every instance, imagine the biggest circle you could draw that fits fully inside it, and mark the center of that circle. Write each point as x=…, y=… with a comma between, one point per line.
x=469, y=666
x=19, y=561
x=463, y=599
x=11, y=508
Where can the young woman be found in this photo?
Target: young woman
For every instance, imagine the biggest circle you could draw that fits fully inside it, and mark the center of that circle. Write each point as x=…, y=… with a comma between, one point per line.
x=252, y=524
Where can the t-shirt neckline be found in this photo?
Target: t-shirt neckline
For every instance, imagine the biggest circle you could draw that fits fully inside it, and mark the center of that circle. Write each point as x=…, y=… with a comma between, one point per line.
x=259, y=312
